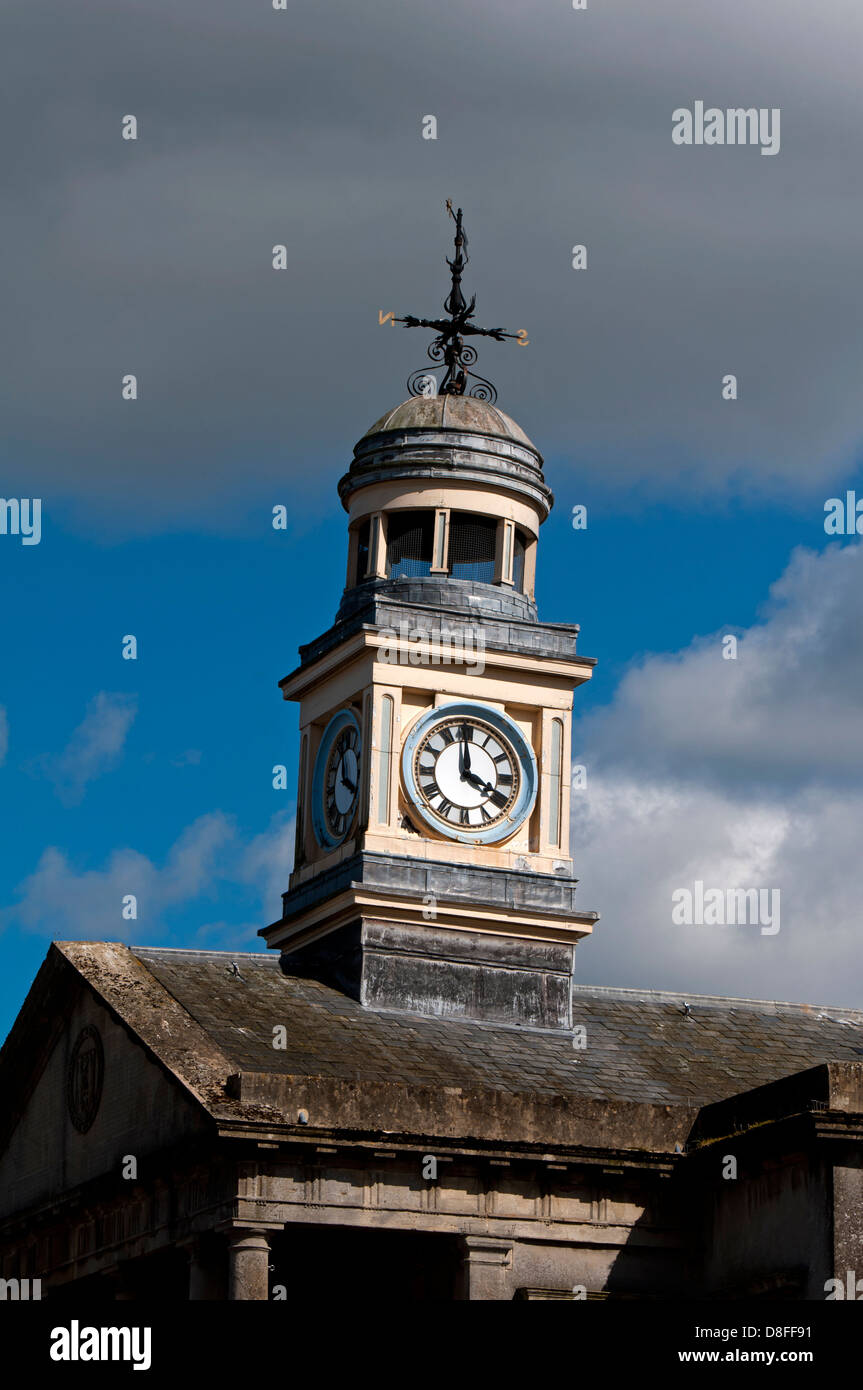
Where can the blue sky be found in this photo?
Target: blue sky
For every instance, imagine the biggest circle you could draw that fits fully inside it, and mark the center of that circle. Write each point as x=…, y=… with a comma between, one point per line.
x=304, y=128
x=218, y=620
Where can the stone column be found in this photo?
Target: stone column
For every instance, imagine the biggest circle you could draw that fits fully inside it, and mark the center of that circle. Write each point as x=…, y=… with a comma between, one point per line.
x=206, y=1275
x=486, y=1271
x=847, y=1192
x=248, y=1264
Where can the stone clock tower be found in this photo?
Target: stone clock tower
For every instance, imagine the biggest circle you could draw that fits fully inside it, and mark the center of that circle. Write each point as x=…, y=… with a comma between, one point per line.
x=432, y=870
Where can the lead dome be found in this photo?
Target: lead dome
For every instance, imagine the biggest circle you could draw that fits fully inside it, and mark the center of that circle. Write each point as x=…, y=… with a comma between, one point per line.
x=462, y=413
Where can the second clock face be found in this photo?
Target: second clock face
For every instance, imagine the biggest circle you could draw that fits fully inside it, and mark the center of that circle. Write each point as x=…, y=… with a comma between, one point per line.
x=469, y=772
x=342, y=781
x=336, y=779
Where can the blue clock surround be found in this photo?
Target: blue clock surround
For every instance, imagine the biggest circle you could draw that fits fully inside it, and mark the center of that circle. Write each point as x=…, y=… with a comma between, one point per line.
x=524, y=802
x=342, y=720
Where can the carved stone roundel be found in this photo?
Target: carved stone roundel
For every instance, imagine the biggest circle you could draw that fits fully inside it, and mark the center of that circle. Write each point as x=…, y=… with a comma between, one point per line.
x=84, y=1078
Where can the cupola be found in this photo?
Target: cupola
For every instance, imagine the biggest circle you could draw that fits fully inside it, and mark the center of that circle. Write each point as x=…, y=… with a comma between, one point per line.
x=445, y=497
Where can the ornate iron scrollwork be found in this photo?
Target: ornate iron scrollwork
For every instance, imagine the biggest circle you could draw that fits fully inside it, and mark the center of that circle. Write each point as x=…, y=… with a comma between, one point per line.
x=448, y=349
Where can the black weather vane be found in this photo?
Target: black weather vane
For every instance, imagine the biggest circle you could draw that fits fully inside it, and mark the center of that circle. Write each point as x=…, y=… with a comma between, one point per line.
x=449, y=348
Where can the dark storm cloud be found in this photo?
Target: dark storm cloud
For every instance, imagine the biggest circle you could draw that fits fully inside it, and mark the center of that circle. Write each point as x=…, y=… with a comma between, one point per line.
x=303, y=127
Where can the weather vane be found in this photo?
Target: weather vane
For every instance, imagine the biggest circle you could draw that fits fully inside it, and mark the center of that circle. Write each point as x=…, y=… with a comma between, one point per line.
x=449, y=348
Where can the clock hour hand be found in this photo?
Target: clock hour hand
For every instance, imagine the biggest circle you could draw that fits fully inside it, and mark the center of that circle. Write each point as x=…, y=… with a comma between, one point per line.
x=351, y=786
x=478, y=782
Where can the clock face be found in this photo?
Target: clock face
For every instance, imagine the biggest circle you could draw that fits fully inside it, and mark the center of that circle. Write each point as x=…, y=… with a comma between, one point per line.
x=341, y=781
x=469, y=772
x=336, y=781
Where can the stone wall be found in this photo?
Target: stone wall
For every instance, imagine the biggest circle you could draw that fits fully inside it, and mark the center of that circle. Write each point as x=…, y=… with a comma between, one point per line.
x=140, y=1111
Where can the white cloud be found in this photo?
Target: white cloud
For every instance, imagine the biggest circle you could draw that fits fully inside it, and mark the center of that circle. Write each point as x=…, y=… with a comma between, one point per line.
x=94, y=748
x=787, y=708
x=267, y=861
x=206, y=860
x=740, y=774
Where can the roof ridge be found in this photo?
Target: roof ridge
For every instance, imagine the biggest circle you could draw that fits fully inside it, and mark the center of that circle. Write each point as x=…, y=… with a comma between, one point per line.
x=269, y=956
x=673, y=996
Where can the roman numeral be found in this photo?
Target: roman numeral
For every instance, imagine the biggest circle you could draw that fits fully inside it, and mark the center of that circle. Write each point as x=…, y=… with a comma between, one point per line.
x=498, y=798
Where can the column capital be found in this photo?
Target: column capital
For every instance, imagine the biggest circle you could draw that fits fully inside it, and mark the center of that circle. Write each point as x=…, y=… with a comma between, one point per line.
x=239, y=1227
x=486, y=1270
x=488, y=1250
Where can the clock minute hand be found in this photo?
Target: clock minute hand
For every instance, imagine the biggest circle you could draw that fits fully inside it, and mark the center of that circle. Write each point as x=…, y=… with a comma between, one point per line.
x=465, y=754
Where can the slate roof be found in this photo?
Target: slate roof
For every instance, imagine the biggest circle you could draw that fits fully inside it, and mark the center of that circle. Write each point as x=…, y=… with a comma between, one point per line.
x=641, y=1046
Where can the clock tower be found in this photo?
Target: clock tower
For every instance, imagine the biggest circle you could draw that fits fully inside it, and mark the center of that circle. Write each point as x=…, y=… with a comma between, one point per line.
x=432, y=870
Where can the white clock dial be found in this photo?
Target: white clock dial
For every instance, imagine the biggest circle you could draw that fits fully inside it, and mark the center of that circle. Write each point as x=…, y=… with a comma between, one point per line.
x=467, y=773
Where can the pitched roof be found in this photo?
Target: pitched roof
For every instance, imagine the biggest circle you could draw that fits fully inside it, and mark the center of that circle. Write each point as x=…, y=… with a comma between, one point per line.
x=641, y=1046
x=348, y=1071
